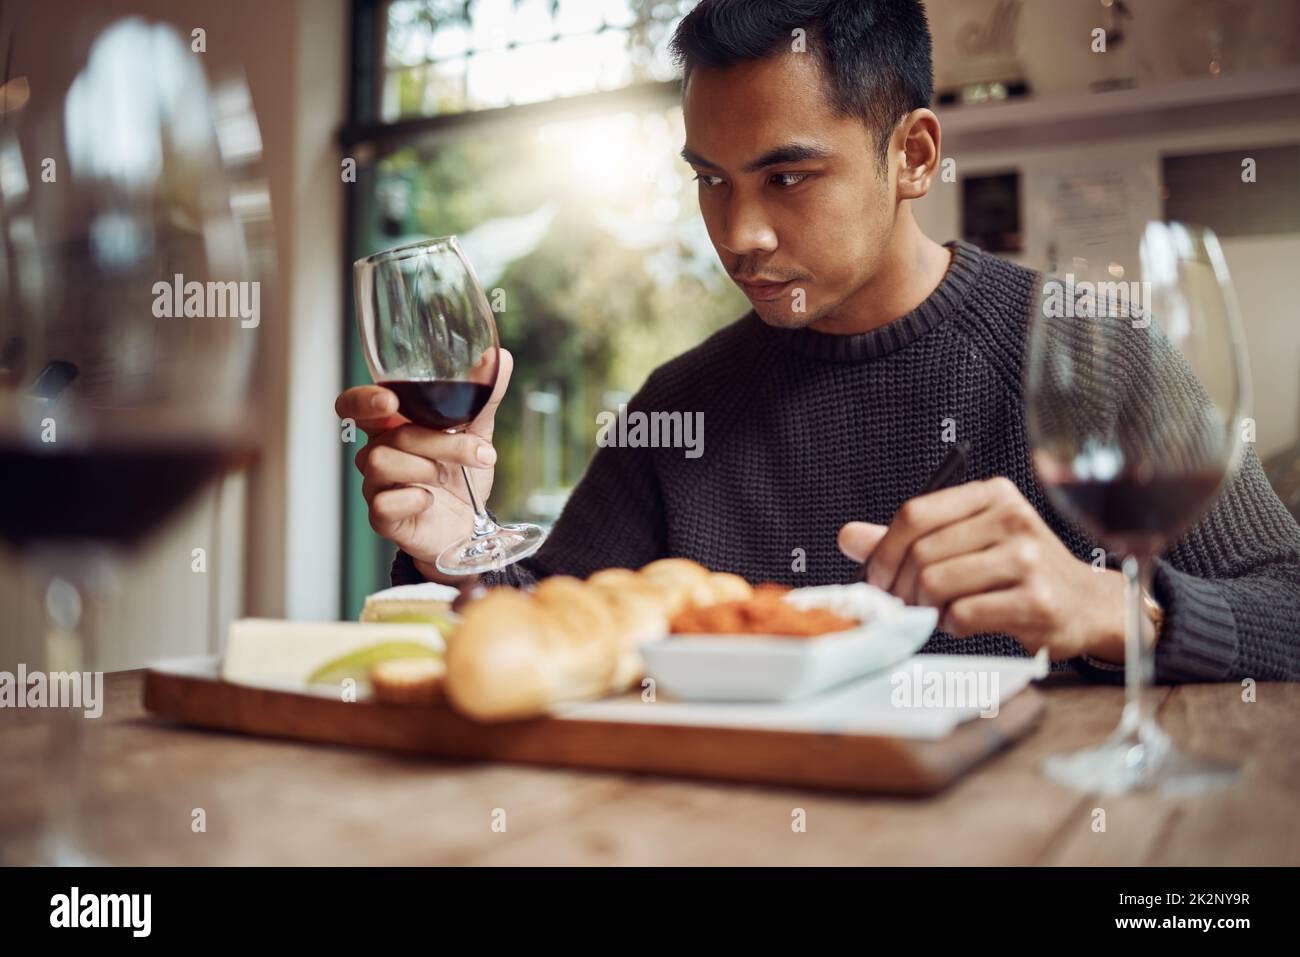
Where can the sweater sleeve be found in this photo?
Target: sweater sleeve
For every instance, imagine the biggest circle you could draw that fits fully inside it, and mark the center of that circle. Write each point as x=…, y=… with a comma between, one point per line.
x=1231, y=589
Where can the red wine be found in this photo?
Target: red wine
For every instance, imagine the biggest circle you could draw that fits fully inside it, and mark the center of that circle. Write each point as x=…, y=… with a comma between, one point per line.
x=1138, y=513
x=114, y=494
x=440, y=403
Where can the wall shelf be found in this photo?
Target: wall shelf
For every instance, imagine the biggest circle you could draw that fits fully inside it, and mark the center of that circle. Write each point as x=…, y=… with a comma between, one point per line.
x=1245, y=97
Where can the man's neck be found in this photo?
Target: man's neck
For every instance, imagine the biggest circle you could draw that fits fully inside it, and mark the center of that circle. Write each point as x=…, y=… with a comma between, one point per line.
x=913, y=267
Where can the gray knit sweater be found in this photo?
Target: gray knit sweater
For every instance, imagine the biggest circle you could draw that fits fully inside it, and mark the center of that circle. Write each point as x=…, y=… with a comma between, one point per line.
x=805, y=431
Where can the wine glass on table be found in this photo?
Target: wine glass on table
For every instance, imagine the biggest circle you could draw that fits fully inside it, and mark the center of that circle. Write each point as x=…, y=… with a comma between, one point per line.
x=429, y=336
x=1136, y=387
x=116, y=407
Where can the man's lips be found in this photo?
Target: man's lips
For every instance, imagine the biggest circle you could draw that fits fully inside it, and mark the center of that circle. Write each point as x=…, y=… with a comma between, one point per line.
x=763, y=291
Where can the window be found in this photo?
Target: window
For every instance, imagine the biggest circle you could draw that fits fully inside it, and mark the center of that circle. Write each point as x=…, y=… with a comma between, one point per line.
x=451, y=56
x=545, y=134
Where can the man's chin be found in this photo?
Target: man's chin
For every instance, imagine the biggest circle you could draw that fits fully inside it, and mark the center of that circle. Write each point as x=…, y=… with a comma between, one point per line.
x=779, y=315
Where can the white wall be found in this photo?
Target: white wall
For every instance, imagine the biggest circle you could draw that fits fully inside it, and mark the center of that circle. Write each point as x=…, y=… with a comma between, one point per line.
x=313, y=507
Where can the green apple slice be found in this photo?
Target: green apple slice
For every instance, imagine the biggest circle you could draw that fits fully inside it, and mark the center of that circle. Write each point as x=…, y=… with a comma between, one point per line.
x=357, y=664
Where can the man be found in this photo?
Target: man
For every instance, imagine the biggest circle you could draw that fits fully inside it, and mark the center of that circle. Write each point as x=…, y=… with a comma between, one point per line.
x=829, y=401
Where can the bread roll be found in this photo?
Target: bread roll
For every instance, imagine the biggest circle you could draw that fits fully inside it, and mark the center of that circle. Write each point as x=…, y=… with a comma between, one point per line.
x=638, y=612
x=592, y=613
x=616, y=576
x=675, y=567
x=582, y=611
x=729, y=587
x=639, y=617
x=512, y=657
x=624, y=581
x=681, y=581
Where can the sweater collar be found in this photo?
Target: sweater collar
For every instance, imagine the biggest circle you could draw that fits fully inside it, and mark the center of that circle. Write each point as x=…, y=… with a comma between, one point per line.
x=953, y=290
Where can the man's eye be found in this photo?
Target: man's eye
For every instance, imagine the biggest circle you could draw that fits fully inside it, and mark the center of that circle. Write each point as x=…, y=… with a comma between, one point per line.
x=787, y=180
x=705, y=178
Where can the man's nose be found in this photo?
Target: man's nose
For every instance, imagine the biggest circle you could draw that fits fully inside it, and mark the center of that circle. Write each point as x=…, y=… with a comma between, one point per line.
x=745, y=230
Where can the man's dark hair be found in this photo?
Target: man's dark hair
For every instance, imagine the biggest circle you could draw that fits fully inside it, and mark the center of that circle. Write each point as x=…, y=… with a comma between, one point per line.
x=874, y=54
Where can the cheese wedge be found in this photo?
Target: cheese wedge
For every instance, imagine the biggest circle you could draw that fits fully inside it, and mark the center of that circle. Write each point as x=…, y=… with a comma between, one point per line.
x=428, y=603
x=295, y=654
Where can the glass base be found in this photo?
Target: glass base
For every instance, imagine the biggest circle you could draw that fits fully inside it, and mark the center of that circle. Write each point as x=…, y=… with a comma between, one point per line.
x=503, y=546
x=61, y=850
x=1149, y=763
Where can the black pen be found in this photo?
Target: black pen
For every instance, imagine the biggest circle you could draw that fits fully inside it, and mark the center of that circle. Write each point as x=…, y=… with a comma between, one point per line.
x=951, y=471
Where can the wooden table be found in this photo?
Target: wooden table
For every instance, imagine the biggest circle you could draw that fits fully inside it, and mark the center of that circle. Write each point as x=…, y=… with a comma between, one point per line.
x=269, y=802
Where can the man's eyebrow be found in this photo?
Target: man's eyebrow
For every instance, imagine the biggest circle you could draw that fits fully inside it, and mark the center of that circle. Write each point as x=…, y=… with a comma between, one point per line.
x=789, y=153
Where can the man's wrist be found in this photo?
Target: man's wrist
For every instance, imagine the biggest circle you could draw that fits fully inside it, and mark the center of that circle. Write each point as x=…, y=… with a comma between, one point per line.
x=1107, y=646
x=1103, y=615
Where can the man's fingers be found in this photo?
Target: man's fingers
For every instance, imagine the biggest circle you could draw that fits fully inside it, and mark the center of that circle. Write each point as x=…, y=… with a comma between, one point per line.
x=387, y=467
x=460, y=448
x=372, y=407
x=365, y=402
x=395, y=505
x=857, y=539
x=974, y=534
x=939, y=584
x=924, y=514
x=991, y=612
x=485, y=422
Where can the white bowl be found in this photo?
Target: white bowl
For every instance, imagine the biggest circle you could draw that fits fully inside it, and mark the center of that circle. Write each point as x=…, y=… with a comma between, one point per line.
x=776, y=668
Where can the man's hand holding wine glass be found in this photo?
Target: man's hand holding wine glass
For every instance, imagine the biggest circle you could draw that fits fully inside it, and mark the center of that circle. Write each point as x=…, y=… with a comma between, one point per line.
x=412, y=478
x=982, y=554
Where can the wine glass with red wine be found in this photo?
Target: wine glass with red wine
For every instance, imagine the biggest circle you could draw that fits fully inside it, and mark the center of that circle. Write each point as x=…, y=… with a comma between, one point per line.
x=1136, y=389
x=429, y=336
x=116, y=408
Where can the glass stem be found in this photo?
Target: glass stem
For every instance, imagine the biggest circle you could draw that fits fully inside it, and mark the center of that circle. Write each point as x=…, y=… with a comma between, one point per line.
x=483, y=524
x=64, y=651
x=1138, y=725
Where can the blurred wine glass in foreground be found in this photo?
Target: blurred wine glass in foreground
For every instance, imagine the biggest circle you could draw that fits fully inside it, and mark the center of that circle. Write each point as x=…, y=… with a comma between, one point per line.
x=127, y=333
x=1136, y=388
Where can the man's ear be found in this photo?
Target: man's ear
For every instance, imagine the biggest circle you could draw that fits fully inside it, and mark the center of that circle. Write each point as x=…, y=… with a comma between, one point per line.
x=916, y=142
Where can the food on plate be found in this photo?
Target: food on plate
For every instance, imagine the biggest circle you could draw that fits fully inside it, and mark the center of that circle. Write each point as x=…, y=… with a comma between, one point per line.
x=766, y=613
x=292, y=653
x=427, y=603
x=795, y=612
x=858, y=600
x=515, y=654
x=408, y=680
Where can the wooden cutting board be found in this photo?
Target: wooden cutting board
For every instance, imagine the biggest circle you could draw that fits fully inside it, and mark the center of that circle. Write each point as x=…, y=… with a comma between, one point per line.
x=833, y=761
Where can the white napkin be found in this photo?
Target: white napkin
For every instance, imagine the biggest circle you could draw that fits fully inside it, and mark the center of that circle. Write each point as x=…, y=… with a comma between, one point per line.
x=874, y=705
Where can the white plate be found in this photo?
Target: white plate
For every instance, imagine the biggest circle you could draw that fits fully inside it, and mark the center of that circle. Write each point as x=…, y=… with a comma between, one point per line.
x=774, y=668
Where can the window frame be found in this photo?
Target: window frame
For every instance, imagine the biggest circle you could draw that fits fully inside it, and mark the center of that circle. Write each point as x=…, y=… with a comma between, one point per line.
x=367, y=140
